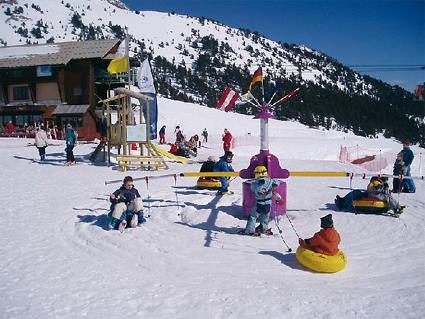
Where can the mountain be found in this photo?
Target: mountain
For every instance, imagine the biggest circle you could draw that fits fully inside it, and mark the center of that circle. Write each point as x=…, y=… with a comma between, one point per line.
x=194, y=59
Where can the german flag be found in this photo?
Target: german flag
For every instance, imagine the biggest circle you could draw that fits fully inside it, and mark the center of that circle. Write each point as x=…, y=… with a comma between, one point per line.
x=258, y=76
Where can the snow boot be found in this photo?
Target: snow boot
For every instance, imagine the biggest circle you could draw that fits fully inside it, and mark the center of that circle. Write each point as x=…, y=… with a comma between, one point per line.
x=122, y=226
x=134, y=221
x=338, y=202
x=141, y=217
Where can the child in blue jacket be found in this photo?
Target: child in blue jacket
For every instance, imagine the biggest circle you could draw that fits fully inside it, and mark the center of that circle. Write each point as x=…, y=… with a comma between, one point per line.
x=126, y=207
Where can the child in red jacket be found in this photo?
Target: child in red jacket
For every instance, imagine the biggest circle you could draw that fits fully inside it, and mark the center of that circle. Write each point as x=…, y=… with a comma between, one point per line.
x=325, y=241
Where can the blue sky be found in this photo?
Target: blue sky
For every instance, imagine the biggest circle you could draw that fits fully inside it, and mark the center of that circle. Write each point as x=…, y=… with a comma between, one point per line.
x=385, y=33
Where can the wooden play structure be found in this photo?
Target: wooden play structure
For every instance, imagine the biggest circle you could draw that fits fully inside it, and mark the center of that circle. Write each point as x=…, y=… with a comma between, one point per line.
x=123, y=133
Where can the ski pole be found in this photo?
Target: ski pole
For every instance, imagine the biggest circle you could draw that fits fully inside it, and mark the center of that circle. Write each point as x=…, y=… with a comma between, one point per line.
x=149, y=198
x=280, y=233
x=177, y=198
x=293, y=226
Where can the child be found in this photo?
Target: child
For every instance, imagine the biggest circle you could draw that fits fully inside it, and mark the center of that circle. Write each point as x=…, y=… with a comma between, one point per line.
x=263, y=187
x=325, y=241
x=127, y=206
x=378, y=188
x=398, y=169
x=224, y=165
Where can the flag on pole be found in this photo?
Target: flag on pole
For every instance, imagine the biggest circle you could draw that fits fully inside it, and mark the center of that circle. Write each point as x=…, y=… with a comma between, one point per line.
x=227, y=100
x=286, y=97
x=419, y=92
x=258, y=77
x=118, y=65
x=145, y=78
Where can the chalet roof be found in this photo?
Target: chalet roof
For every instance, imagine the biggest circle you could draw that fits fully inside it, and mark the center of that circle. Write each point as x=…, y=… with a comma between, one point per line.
x=70, y=109
x=55, y=53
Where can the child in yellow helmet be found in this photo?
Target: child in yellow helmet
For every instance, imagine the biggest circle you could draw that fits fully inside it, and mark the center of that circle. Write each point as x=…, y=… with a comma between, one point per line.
x=264, y=188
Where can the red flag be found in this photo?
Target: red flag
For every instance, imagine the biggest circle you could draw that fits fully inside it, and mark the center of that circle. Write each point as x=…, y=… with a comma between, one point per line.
x=287, y=97
x=227, y=100
x=419, y=91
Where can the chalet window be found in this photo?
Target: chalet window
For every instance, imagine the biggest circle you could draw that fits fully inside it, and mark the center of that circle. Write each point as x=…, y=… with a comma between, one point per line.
x=75, y=121
x=21, y=93
x=78, y=91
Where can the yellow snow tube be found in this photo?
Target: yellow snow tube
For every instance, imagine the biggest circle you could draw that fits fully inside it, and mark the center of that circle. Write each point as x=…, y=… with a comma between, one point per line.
x=370, y=205
x=208, y=183
x=320, y=262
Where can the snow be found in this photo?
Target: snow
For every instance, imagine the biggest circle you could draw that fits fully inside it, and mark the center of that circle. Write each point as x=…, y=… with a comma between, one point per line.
x=23, y=51
x=60, y=261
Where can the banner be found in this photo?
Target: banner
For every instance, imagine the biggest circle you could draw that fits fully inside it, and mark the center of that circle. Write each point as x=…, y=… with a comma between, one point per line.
x=153, y=114
x=227, y=100
x=118, y=65
x=145, y=78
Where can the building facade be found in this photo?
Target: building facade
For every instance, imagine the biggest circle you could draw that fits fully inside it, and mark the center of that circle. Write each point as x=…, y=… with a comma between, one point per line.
x=55, y=84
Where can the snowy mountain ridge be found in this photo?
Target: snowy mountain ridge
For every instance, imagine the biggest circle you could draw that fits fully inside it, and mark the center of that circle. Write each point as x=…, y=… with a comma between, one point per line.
x=178, y=38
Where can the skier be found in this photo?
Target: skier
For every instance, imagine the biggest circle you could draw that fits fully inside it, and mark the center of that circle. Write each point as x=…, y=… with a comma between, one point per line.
x=224, y=165
x=126, y=207
x=162, y=135
x=227, y=140
x=264, y=188
x=70, y=138
x=408, y=186
x=325, y=241
x=41, y=142
x=205, y=136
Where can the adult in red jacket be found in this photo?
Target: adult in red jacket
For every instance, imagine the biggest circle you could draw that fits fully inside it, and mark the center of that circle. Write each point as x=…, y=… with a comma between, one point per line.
x=227, y=140
x=325, y=241
x=10, y=128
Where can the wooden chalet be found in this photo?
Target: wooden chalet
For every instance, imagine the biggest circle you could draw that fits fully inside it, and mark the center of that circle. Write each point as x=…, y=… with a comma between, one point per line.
x=56, y=83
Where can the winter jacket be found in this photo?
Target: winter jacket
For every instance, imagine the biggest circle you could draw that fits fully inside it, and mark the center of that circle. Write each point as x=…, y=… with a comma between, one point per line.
x=207, y=166
x=179, y=137
x=227, y=140
x=162, y=130
x=70, y=136
x=325, y=242
x=407, y=156
x=222, y=166
x=124, y=195
x=41, y=138
x=262, y=188
x=377, y=187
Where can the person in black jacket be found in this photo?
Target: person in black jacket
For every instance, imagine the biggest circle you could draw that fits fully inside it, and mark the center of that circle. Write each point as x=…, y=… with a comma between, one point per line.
x=126, y=207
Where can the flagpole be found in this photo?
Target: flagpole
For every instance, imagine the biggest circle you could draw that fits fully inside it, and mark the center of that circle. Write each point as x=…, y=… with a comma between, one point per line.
x=127, y=53
x=262, y=86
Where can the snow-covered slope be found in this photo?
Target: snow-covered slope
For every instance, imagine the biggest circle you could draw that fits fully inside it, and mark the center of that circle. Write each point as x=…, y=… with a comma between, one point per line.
x=60, y=261
x=178, y=38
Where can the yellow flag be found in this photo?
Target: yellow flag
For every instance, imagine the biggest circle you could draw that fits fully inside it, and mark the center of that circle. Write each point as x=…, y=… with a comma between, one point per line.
x=118, y=65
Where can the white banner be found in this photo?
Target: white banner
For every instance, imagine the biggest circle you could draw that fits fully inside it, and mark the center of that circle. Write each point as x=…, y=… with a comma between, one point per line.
x=145, y=78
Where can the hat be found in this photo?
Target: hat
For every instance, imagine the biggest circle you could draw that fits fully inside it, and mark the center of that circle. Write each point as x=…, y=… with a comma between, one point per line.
x=326, y=221
x=228, y=154
x=212, y=158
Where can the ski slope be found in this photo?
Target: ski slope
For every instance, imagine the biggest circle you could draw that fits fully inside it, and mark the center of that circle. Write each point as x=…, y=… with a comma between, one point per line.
x=59, y=260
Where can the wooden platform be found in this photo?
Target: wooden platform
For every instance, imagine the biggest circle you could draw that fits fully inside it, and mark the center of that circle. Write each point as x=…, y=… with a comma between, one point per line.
x=144, y=162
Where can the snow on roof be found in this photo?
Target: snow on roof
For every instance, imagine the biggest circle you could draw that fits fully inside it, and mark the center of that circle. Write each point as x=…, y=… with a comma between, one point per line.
x=54, y=54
